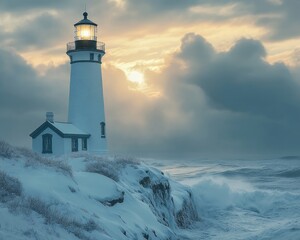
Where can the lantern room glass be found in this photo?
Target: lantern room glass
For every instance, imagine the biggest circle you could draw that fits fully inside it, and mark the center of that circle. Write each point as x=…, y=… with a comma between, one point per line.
x=86, y=32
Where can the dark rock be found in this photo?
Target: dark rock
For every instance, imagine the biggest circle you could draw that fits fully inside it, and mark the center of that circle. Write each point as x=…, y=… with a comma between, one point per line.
x=72, y=189
x=187, y=215
x=113, y=202
x=145, y=182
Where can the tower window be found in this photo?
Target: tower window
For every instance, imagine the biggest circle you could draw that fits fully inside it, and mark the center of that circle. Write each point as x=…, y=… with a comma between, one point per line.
x=102, y=124
x=99, y=58
x=84, y=144
x=71, y=59
x=47, y=143
x=91, y=56
x=74, y=144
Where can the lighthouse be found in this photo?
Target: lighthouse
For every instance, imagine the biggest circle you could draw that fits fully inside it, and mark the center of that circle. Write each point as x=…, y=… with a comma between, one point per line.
x=86, y=104
x=85, y=129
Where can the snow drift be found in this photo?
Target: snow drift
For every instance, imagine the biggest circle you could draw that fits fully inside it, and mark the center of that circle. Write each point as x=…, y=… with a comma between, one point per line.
x=88, y=197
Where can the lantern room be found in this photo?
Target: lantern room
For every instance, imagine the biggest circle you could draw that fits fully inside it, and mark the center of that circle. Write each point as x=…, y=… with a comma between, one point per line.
x=85, y=33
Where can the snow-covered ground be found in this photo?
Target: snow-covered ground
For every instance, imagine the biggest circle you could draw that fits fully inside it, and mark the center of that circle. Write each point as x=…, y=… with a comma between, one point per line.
x=88, y=197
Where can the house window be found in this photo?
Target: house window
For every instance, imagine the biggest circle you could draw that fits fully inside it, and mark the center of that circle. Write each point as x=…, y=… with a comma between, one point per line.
x=84, y=144
x=47, y=143
x=91, y=56
x=102, y=124
x=74, y=144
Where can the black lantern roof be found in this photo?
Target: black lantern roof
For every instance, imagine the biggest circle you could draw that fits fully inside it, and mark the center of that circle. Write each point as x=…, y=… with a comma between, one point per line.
x=85, y=21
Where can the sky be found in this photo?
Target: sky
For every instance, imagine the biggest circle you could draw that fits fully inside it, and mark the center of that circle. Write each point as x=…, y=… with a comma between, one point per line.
x=182, y=79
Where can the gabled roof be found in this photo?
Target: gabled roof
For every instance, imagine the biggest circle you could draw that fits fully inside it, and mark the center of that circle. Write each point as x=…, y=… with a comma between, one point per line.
x=64, y=130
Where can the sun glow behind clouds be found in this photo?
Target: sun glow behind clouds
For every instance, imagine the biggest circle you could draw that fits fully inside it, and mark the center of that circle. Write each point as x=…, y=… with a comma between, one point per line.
x=135, y=77
x=140, y=84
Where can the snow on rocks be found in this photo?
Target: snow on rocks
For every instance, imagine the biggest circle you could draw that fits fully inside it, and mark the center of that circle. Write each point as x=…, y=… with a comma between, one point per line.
x=88, y=197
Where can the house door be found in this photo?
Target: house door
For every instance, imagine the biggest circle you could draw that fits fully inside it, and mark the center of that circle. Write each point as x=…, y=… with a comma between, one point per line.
x=74, y=144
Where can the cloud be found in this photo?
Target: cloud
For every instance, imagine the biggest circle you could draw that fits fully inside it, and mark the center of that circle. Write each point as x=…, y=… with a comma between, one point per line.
x=284, y=24
x=279, y=18
x=43, y=25
x=29, y=5
x=39, y=32
x=40, y=28
x=240, y=80
x=155, y=16
x=214, y=103
x=25, y=97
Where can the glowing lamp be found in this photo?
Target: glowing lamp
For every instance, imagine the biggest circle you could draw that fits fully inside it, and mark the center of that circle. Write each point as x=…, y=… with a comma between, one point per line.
x=85, y=29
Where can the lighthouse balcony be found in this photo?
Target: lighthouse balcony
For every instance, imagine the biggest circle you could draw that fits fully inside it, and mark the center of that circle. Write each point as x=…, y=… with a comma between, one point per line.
x=84, y=45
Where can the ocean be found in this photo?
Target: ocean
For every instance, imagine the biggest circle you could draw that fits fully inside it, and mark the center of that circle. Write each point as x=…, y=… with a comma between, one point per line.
x=241, y=199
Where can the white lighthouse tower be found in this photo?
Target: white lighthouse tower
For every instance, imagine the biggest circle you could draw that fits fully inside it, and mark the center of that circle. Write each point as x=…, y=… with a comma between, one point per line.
x=86, y=128
x=86, y=104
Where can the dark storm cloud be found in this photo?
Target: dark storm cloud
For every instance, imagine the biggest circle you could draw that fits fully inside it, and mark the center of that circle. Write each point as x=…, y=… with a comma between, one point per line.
x=29, y=5
x=157, y=15
x=286, y=24
x=38, y=33
x=256, y=103
x=11, y=66
x=280, y=18
x=241, y=80
x=160, y=6
x=25, y=97
x=38, y=25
